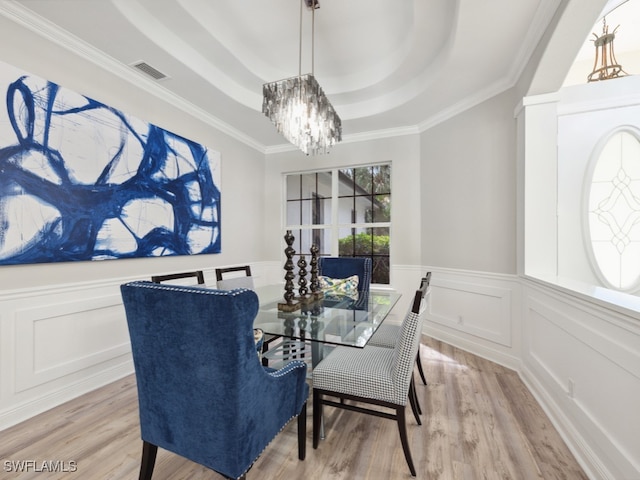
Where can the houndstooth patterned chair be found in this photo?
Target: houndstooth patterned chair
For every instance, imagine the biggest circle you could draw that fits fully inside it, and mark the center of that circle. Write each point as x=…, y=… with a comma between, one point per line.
x=372, y=375
x=387, y=335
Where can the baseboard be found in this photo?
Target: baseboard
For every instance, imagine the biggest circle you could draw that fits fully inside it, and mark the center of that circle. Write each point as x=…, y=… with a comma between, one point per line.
x=53, y=399
x=584, y=454
x=481, y=349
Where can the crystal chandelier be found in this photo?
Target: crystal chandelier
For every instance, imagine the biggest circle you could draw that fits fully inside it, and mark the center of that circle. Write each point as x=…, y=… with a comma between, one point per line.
x=298, y=107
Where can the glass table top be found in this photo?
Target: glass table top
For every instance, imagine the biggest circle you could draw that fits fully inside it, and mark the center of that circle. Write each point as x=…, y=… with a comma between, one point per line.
x=329, y=321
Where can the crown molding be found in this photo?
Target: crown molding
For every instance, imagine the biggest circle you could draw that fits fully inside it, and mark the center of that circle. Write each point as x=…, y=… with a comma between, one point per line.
x=355, y=138
x=465, y=104
x=50, y=32
x=14, y=11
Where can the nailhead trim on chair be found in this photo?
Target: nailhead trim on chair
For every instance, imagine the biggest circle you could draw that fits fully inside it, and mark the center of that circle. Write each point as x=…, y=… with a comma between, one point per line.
x=265, y=447
x=230, y=293
x=185, y=288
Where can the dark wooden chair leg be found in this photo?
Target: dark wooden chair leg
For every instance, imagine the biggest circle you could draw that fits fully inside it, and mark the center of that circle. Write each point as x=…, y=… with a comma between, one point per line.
x=265, y=349
x=302, y=432
x=402, y=427
x=415, y=395
x=419, y=362
x=149, y=452
x=413, y=402
x=317, y=416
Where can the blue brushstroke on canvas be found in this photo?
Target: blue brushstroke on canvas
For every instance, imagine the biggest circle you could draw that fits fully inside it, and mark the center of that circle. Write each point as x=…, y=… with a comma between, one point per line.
x=82, y=181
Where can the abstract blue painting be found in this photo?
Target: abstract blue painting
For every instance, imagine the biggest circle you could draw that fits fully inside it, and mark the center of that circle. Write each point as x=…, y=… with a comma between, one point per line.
x=81, y=181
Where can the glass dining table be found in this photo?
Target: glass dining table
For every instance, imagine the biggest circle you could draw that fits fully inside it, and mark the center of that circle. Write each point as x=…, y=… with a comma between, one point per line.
x=322, y=324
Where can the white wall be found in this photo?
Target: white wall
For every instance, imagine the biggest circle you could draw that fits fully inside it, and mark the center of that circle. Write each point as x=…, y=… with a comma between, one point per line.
x=580, y=344
x=538, y=228
x=468, y=224
x=468, y=188
x=587, y=116
x=578, y=349
x=564, y=132
x=62, y=328
x=581, y=359
x=241, y=205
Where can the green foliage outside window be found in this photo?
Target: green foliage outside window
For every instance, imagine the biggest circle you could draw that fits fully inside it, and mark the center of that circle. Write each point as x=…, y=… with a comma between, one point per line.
x=368, y=245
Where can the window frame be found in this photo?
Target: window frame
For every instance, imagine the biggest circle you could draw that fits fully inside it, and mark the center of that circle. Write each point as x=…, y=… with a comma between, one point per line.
x=590, y=248
x=332, y=225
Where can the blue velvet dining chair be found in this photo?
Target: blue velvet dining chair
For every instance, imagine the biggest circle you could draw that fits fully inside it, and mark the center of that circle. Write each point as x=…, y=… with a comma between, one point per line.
x=344, y=267
x=239, y=276
x=202, y=391
x=179, y=279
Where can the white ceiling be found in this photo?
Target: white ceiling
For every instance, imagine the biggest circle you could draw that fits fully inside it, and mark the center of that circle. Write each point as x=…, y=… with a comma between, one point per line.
x=388, y=67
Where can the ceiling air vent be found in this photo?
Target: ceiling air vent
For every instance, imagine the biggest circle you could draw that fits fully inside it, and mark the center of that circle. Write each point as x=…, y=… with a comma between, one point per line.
x=144, y=67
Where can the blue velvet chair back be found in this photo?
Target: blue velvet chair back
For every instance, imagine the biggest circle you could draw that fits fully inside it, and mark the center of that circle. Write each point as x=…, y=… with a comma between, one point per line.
x=343, y=267
x=202, y=390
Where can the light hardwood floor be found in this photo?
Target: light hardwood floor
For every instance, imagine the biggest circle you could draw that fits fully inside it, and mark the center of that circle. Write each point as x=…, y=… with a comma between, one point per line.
x=479, y=422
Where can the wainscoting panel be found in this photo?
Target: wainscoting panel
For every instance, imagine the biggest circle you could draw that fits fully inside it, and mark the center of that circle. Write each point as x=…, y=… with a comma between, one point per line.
x=58, y=343
x=59, y=339
x=475, y=311
x=583, y=363
x=480, y=310
x=579, y=357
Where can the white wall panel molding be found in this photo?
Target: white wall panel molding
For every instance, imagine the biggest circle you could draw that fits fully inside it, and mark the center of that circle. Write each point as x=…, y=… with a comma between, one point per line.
x=480, y=310
x=595, y=332
x=473, y=344
x=476, y=304
x=267, y=273
x=579, y=355
x=61, y=290
x=475, y=311
x=565, y=422
x=405, y=279
x=580, y=358
x=583, y=364
x=59, y=339
x=58, y=343
x=13, y=411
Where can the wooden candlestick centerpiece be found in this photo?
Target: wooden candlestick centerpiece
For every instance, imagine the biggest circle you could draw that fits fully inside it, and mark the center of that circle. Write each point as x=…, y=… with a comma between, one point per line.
x=314, y=284
x=289, y=304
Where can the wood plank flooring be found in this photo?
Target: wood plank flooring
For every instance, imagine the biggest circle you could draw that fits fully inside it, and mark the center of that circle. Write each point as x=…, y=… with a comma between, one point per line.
x=479, y=422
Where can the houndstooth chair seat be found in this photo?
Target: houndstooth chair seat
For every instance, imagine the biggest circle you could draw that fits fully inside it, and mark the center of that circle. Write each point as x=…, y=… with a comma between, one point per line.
x=387, y=335
x=372, y=375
